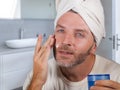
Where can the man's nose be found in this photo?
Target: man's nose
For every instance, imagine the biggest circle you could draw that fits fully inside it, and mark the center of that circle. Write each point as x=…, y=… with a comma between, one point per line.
x=68, y=39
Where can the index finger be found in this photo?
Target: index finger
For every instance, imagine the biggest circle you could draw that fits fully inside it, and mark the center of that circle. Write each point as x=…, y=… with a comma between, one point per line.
x=49, y=41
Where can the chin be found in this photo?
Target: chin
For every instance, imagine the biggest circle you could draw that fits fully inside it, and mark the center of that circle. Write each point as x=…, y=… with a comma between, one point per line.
x=65, y=63
x=62, y=64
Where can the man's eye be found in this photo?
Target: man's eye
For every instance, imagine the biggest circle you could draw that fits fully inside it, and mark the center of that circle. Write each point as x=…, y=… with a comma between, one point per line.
x=60, y=30
x=79, y=35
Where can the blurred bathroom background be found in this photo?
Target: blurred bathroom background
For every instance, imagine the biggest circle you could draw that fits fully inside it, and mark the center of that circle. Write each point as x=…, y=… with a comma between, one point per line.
x=29, y=18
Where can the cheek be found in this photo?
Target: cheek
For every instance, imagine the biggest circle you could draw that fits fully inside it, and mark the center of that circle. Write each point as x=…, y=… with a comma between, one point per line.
x=59, y=35
x=82, y=46
x=58, y=39
x=80, y=43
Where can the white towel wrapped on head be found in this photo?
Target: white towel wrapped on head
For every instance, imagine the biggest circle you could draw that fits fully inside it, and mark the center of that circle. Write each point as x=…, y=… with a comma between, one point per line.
x=90, y=10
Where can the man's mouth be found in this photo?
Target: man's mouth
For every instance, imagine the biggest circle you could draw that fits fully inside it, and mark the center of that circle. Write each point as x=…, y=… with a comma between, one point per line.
x=65, y=52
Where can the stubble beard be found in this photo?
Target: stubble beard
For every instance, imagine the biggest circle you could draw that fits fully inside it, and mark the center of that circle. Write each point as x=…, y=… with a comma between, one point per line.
x=79, y=58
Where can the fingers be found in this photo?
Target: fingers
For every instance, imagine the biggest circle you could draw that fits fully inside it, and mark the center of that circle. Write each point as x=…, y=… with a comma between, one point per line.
x=47, y=44
x=100, y=88
x=45, y=56
x=52, y=41
x=38, y=45
x=49, y=41
x=40, y=50
x=108, y=83
x=41, y=55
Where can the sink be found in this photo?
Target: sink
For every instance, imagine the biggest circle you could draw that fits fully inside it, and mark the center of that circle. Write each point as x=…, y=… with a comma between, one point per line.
x=21, y=43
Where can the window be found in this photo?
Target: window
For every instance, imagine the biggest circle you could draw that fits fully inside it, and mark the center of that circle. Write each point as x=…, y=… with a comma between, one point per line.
x=10, y=9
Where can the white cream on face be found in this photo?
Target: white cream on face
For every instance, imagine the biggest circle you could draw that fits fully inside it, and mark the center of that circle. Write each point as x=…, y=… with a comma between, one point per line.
x=57, y=45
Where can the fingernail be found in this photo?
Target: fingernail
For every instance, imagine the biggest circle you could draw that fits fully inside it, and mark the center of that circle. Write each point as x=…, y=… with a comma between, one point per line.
x=92, y=87
x=39, y=36
x=95, y=82
x=50, y=36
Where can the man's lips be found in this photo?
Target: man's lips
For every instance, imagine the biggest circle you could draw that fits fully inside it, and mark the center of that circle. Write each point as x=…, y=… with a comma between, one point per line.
x=65, y=52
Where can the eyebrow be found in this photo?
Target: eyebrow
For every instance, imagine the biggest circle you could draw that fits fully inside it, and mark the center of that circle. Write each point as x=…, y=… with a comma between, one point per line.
x=58, y=25
x=76, y=30
x=81, y=30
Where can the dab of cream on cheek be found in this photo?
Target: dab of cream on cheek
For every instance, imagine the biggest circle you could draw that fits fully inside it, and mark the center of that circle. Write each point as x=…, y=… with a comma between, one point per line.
x=57, y=45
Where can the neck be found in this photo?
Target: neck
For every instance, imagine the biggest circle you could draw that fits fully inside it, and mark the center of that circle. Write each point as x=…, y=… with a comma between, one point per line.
x=79, y=72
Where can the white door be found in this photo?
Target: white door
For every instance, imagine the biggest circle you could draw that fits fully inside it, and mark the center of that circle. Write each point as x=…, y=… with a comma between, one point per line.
x=110, y=46
x=117, y=30
x=106, y=47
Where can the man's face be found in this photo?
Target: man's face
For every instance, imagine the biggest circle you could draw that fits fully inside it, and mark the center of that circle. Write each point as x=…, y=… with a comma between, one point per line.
x=74, y=41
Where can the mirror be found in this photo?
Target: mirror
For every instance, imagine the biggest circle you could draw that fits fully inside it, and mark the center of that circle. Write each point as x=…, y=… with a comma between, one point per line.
x=27, y=9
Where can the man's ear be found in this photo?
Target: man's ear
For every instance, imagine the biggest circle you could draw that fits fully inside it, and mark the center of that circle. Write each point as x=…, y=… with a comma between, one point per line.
x=93, y=49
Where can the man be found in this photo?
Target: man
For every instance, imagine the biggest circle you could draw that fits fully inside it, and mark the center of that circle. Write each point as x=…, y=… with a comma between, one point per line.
x=79, y=28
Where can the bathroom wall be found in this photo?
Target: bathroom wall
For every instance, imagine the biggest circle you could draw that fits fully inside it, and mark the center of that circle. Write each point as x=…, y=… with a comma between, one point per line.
x=105, y=48
x=10, y=29
x=38, y=9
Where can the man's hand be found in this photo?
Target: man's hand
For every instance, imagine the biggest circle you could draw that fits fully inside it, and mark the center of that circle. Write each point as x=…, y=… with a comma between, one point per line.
x=106, y=85
x=40, y=67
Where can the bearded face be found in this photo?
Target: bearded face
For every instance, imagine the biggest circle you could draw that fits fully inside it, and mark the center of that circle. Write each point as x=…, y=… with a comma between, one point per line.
x=74, y=41
x=68, y=57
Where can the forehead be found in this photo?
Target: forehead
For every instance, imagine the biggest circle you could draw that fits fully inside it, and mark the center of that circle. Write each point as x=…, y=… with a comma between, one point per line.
x=72, y=20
